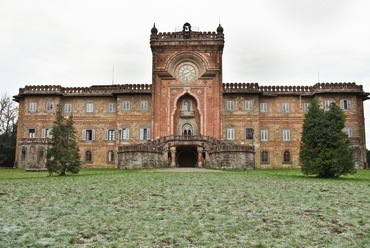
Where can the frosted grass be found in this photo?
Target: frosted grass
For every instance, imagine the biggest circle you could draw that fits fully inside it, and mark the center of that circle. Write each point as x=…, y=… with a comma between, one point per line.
x=230, y=209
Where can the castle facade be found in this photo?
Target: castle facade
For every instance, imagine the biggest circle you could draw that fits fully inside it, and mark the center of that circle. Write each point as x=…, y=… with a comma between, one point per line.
x=186, y=117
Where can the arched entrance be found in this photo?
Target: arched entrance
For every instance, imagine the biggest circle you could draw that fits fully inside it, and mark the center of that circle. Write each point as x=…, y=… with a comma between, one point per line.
x=187, y=156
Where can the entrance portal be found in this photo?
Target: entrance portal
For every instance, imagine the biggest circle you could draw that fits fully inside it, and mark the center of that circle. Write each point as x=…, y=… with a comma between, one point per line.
x=187, y=156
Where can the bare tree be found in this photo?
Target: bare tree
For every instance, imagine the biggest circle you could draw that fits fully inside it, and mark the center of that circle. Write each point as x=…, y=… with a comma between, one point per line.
x=8, y=114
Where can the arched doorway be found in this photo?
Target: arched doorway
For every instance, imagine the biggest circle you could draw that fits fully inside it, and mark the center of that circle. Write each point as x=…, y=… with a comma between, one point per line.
x=187, y=156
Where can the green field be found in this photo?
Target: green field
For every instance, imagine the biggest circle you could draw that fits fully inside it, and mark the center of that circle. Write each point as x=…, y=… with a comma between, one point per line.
x=121, y=208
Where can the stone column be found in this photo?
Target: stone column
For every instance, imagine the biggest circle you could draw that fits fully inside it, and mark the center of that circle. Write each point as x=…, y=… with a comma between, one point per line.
x=200, y=157
x=173, y=156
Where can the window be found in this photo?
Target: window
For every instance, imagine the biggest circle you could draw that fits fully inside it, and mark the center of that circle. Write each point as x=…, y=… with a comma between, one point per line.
x=249, y=133
x=230, y=133
x=68, y=108
x=31, y=133
x=285, y=107
x=89, y=107
x=88, y=134
x=264, y=157
x=23, y=153
x=46, y=133
x=230, y=105
x=286, y=157
x=124, y=134
x=111, y=107
x=88, y=156
x=41, y=155
x=49, y=106
x=110, y=134
x=348, y=131
x=144, y=133
x=248, y=105
x=345, y=104
x=306, y=105
x=126, y=105
x=110, y=156
x=32, y=107
x=286, y=134
x=327, y=104
x=263, y=107
x=143, y=105
x=264, y=134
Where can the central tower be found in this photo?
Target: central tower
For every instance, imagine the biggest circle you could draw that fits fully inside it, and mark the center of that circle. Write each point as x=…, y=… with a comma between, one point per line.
x=187, y=82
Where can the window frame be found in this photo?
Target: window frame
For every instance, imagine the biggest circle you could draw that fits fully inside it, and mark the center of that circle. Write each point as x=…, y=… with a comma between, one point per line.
x=32, y=107
x=265, y=154
x=112, y=107
x=248, y=105
x=285, y=107
x=144, y=105
x=286, y=135
x=264, y=134
x=90, y=107
x=144, y=133
x=230, y=133
x=126, y=105
x=230, y=105
x=263, y=107
x=67, y=108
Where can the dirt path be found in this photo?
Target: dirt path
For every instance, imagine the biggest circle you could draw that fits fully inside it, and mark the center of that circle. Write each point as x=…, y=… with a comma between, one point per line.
x=184, y=169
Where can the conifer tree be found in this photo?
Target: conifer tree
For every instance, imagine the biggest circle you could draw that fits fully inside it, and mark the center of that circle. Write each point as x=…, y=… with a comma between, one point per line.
x=63, y=154
x=325, y=149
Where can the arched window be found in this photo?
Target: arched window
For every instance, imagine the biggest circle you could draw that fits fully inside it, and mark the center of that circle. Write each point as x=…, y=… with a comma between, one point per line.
x=88, y=156
x=110, y=156
x=23, y=153
x=264, y=157
x=187, y=129
x=286, y=157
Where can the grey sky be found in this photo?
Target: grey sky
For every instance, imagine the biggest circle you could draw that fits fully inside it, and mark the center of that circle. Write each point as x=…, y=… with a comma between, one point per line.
x=284, y=42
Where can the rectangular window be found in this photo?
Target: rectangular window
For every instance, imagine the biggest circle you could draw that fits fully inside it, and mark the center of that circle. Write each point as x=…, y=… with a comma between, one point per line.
x=230, y=133
x=110, y=134
x=248, y=105
x=249, y=133
x=230, y=105
x=111, y=107
x=144, y=134
x=89, y=107
x=126, y=105
x=264, y=134
x=349, y=131
x=31, y=133
x=46, y=133
x=263, y=107
x=144, y=105
x=306, y=105
x=327, y=104
x=285, y=107
x=124, y=134
x=88, y=134
x=345, y=104
x=286, y=134
x=49, y=106
x=68, y=108
x=32, y=107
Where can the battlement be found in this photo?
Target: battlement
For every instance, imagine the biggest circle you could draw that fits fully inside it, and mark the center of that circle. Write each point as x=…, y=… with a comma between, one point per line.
x=289, y=89
x=95, y=90
x=168, y=36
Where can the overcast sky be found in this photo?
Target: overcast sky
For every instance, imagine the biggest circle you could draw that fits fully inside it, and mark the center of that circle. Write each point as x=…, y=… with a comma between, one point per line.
x=271, y=42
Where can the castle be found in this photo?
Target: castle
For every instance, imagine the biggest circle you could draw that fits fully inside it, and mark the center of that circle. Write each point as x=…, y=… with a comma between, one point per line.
x=187, y=116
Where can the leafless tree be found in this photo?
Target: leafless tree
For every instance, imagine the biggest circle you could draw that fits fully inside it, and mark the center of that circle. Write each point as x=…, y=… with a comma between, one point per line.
x=8, y=114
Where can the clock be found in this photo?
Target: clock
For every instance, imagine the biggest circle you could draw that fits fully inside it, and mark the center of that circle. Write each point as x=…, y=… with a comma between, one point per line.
x=187, y=73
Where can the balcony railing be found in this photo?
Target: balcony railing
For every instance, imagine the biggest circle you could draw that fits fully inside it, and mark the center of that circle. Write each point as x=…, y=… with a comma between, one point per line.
x=187, y=113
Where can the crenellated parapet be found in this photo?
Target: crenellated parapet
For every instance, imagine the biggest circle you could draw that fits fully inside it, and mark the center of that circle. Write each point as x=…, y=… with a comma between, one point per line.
x=95, y=90
x=290, y=89
x=168, y=36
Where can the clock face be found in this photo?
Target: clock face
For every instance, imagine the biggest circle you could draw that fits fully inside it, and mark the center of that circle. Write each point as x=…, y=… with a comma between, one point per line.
x=187, y=73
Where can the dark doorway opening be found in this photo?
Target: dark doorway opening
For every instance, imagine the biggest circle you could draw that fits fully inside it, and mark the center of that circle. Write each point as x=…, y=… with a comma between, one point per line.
x=187, y=156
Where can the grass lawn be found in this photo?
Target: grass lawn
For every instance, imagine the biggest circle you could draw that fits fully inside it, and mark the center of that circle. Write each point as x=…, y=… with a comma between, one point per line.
x=133, y=208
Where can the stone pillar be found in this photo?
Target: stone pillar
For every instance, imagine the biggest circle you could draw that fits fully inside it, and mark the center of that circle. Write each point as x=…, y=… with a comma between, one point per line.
x=200, y=157
x=173, y=156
